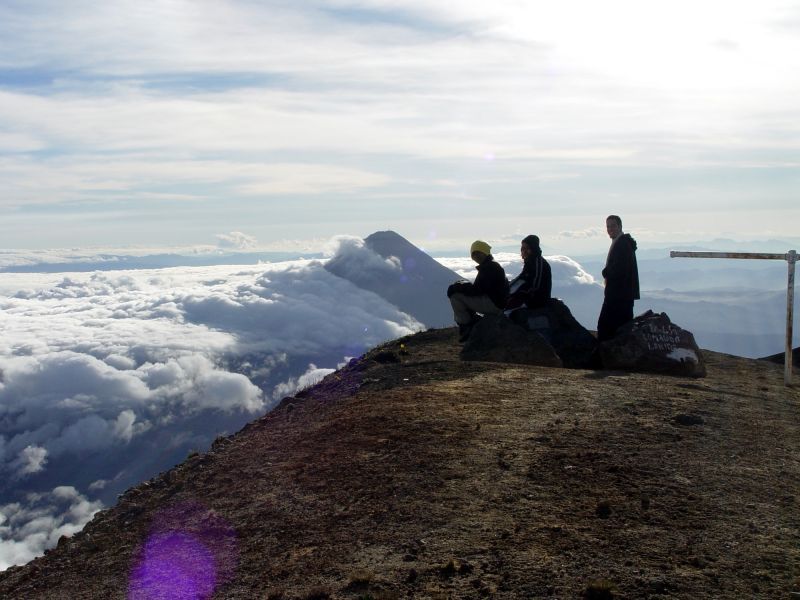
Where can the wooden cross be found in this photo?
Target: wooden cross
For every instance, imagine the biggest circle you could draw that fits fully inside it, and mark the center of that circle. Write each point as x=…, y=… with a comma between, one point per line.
x=791, y=258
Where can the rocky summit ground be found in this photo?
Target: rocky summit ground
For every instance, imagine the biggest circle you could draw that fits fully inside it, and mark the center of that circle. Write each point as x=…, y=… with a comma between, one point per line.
x=411, y=474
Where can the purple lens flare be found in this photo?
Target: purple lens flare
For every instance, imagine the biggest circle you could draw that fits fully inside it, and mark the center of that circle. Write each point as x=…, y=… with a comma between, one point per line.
x=189, y=552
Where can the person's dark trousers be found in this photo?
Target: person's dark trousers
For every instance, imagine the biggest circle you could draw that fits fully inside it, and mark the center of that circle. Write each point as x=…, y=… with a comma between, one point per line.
x=613, y=315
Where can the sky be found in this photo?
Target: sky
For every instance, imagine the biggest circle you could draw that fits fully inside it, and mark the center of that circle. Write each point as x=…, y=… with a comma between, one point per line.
x=174, y=122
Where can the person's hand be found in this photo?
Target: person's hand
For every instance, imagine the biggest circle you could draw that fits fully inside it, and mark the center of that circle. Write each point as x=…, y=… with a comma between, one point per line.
x=457, y=287
x=514, y=301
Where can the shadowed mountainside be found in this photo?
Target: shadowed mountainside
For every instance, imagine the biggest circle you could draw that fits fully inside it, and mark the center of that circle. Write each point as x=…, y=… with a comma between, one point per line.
x=410, y=473
x=781, y=357
x=417, y=285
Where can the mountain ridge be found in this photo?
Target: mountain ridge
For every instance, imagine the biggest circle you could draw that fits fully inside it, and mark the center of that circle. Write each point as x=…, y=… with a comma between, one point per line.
x=780, y=357
x=411, y=473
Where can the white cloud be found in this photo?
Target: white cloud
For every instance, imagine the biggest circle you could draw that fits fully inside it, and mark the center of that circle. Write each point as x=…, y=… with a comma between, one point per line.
x=569, y=272
x=236, y=240
x=588, y=233
x=93, y=360
x=31, y=459
x=26, y=531
x=98, y=485
x=312, y=376
x=350, y=256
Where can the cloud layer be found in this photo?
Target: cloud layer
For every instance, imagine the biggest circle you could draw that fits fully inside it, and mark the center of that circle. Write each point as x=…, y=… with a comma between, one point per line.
x=28, y=528
x=107, y=370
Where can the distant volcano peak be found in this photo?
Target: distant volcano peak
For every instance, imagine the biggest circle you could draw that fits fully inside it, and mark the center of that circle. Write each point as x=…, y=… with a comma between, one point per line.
x=391, y=243
x=417, y=286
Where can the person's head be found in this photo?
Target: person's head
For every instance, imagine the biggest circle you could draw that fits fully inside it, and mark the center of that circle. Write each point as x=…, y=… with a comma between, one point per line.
x=479, y=251
x=529, y=247
x=613, y=226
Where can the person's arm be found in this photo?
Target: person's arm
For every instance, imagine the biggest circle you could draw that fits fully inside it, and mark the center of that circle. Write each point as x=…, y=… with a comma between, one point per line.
x=536, y=276
x=483, y=282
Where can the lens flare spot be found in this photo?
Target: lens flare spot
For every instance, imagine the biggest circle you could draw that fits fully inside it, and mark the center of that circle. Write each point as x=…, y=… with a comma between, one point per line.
x=174, y=565
x=188, y=553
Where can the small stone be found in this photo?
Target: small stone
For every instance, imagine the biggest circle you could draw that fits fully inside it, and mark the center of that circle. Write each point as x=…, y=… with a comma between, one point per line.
x=688, y=420
x=603, y=509
x=386, y=357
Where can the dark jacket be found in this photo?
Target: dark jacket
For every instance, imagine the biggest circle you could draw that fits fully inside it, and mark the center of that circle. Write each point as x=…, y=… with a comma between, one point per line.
x=490, y=281
x=621, y=272
x=533, y=286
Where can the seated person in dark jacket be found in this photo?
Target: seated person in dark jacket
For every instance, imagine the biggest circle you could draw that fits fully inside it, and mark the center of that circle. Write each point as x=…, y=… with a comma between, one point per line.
x=532, y=287
x=486, y=296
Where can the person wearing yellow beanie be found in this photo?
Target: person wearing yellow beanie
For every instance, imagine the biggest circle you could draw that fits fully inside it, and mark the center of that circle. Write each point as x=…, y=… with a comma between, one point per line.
x=485, y=296
x=480, y=246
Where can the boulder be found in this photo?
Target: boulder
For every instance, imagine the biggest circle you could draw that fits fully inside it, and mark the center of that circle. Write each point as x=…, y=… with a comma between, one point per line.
x=496, y=339
x=554, y=322
x=652, y=343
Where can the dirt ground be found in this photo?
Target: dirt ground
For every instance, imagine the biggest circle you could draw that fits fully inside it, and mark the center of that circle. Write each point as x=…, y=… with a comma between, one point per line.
x=411, y=474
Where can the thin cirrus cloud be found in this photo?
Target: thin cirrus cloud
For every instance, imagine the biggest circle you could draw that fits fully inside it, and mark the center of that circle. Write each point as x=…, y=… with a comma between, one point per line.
x=123, y=372
x=588, y=233
x=137, y=177
x=553, y=92
x=377, y=102
x=319, y=51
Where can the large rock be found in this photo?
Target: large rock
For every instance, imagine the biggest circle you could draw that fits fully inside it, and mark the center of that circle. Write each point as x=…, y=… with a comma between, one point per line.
x=497, y=339
x=651, y=342
x=555, y=323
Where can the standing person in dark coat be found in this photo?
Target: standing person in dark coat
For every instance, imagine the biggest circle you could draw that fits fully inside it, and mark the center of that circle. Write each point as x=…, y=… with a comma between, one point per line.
x=621, y=280
x=532, y=287
x=486, y=296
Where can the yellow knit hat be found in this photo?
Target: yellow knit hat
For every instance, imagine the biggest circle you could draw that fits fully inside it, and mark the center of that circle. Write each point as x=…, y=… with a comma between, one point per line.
x=480, y=246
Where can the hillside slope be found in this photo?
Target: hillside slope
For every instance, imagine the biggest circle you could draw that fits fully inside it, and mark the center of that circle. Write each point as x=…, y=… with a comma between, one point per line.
x=412, y=474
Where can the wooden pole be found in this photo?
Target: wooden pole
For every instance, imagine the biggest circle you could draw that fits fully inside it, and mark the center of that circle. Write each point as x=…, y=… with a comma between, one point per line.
x=791, y=258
